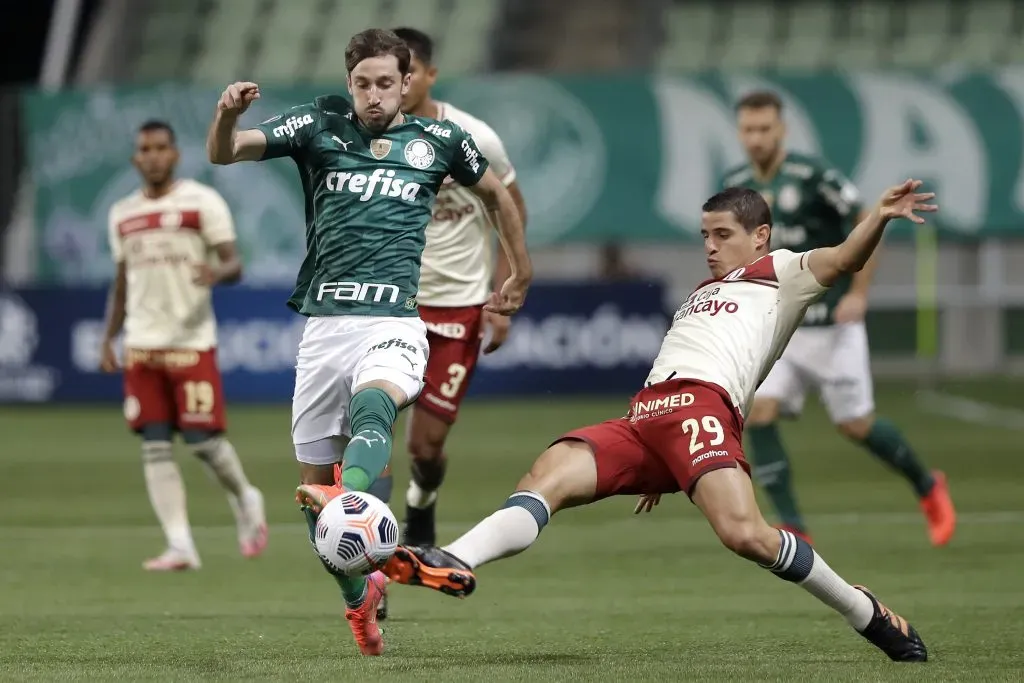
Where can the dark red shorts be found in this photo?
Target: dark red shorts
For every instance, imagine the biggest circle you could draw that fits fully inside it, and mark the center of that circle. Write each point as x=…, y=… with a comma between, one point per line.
x=453, y=335
x=676, y=432
x=179, y=387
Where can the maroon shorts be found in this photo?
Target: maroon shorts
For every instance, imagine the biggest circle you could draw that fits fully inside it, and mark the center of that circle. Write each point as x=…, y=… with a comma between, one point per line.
x=179, y=387
x=454, y=336
x=676, y=432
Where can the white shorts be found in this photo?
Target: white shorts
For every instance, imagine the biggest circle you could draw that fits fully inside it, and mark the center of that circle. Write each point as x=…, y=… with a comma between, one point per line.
x=833, y=360
x=338, y=353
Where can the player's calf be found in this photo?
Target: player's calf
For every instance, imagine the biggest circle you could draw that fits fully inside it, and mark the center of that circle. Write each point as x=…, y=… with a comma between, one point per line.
x=428, y=465
x=565, y=475
x=726, y=497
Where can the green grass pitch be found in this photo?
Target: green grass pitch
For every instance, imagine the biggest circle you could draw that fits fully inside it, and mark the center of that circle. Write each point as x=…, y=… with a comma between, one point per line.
x=603, y=595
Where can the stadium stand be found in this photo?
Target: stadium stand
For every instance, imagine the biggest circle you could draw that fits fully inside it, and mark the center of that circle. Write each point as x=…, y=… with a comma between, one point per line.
x=860, y=34
x=213, y=41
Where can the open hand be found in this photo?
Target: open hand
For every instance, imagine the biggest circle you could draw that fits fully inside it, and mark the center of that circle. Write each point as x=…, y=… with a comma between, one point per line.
x=510, y=299
x=237, y=97
x=108, y=357
x=647, y=503
x=904, y=201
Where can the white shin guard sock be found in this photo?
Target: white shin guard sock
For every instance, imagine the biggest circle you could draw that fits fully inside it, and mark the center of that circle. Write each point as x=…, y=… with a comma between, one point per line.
x=167, y=495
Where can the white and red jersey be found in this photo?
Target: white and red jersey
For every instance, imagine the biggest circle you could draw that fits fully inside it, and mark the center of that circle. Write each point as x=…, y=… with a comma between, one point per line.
x=459, y=257
x=161, y=241
x=730, y=331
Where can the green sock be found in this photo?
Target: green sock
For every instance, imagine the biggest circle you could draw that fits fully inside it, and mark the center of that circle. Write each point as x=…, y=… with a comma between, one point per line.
x=372, y=416
x=382, y=487
x=772, y=472
x=888, y=445
x=353, y=588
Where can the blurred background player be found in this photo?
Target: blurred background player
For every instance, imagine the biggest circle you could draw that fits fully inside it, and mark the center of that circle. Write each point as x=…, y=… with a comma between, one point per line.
x=459, y=272
x=162, y=237
x=814, y=205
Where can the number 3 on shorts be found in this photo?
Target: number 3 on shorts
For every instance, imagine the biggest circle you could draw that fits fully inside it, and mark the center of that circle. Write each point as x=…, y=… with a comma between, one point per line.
x=456, y=375
x=198, y=397
x=710, y=424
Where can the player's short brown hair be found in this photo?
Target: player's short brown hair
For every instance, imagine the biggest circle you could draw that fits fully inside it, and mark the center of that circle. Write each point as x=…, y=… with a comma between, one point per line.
x=759, y=99
x=377, y=42
x=748, y=206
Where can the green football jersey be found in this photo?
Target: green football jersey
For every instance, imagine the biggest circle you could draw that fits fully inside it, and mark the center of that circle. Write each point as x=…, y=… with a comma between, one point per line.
x=368, y=202
x=813, y=205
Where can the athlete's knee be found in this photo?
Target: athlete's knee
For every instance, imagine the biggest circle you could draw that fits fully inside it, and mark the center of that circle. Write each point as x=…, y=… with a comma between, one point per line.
x=763, y=412
x=565, y=474
x=157, y=431
x=398, y=395
x=856, y=429
x=204, y=444
x=426, y=444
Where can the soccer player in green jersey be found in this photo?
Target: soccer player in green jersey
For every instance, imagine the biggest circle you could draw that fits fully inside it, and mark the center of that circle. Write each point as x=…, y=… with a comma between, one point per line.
x=814, y=205
x=370, y=175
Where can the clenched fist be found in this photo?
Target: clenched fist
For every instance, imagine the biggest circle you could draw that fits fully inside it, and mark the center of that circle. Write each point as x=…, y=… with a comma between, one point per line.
x=237, y=97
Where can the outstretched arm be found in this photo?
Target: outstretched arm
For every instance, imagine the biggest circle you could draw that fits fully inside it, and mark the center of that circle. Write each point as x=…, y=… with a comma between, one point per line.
x=225, y=144
x=902, y=201
x=504, y=215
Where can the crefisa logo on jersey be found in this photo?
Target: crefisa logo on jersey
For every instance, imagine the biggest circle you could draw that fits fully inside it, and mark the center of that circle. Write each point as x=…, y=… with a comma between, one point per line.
x=292, y=124
x=379, y=183
x=438, y=131
x=472, y=156
x=419, y=154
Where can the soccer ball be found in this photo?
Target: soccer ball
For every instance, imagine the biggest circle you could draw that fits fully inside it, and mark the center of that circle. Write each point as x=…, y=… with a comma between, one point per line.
x=356, y=534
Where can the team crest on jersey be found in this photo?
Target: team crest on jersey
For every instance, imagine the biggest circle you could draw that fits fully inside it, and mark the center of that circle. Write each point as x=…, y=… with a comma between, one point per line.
x=419, y=154
x=789, y=198
x=380, y=148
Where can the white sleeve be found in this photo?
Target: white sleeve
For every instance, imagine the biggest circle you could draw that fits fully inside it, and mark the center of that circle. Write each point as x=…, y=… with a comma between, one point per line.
x=494, y=151
x=114, y=236
x=217, y=226
x=795, y=277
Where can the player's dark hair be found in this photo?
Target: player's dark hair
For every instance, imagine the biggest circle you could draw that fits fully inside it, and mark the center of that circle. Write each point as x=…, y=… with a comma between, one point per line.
x=759, y=99
x=154, y=125
x=749, y=207
x=376, y=42
x=420, y=43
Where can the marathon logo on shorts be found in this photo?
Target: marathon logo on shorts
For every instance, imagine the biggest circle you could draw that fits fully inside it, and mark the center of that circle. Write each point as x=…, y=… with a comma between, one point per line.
x=645, y=410
x=447, y=330
x=708, y=455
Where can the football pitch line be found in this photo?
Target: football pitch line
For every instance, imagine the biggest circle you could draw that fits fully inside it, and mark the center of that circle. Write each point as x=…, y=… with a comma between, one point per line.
x=971, y=410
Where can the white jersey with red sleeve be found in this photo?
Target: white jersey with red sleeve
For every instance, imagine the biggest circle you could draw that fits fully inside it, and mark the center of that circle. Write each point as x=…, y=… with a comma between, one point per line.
x=730, y=331
x=459, y=257
x=161, y=241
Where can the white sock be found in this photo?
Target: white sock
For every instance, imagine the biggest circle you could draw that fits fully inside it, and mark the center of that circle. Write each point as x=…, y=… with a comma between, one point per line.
x=220, y=458
x=415, y=497
x=507, y=532
x=824, y=584
x=167, y=495
x=800, y=564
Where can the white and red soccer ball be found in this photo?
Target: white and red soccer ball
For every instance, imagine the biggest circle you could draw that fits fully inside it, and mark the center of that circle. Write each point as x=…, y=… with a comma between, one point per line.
x=356, y=534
